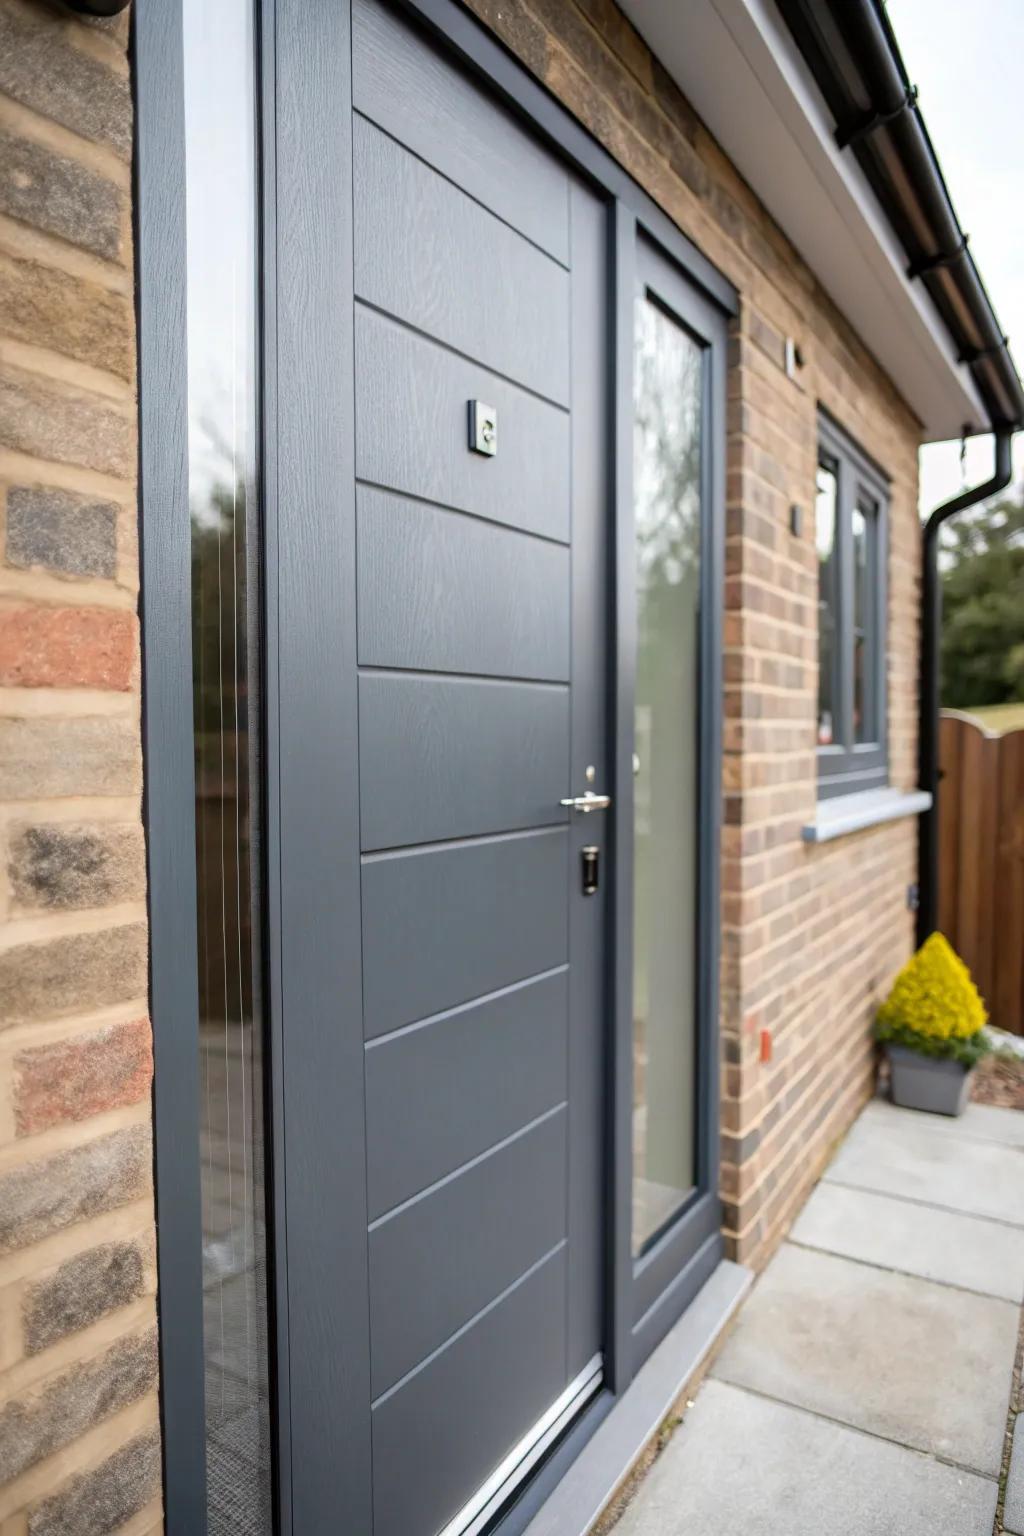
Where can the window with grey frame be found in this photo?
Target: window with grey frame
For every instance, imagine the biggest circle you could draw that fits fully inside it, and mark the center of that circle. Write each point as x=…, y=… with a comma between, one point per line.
x=851, y=538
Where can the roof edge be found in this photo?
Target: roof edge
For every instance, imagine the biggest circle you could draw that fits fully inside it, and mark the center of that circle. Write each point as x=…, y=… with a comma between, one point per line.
x=851, y=50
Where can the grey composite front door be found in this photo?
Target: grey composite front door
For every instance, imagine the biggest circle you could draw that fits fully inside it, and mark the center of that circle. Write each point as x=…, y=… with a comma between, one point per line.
x=479, y=323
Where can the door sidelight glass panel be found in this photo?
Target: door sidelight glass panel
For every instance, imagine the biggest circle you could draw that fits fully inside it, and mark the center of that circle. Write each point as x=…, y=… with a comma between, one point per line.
x=220, y=125
x=668, y=394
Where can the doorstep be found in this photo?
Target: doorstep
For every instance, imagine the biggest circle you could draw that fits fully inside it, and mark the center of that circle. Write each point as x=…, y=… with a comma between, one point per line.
x=613, y=1450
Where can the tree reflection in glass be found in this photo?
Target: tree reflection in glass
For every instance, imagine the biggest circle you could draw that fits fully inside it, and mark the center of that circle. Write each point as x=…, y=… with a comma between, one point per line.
x=221, y=221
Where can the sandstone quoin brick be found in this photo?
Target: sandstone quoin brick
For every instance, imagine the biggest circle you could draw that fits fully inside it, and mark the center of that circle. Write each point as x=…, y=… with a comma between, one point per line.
x=81, y=1290
x=51, y=756
x=35, y=1426
x=40, y=1198
x=60, y=195
x=60, y=531
x=92, y=1503
x=79, y=1417
x=72, y=972
x=69, y=865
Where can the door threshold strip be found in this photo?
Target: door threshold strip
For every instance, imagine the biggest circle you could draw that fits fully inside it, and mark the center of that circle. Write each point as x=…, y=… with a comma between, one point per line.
x=488, y=1499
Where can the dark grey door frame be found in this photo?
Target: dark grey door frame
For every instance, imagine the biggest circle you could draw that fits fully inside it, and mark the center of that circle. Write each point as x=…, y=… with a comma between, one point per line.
x=322, y=1375
x=169, y=781
x=314, y=945
x=667, y=1275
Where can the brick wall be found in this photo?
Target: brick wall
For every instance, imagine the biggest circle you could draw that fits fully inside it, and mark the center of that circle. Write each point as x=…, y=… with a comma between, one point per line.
x=79, y=1437
x=811, y=935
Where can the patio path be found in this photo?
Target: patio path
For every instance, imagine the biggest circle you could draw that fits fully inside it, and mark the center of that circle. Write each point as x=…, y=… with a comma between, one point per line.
x=866, y=1385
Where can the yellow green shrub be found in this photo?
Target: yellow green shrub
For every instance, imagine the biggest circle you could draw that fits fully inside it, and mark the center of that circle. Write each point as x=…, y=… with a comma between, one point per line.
x=934, y=1006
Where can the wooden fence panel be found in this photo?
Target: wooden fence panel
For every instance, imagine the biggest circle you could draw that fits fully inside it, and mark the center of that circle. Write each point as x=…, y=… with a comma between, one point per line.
x=1008, y=997
x=951, y=761
x=981, y=860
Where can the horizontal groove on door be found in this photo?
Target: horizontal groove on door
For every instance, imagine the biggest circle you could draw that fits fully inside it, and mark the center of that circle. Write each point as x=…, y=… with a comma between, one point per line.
x=444, y=925
x=412, y=431
x=457, y=127
x=439, y=591
x=498, y=1376
x=440, y=1260
x=440, y=758
x=425, y=1194
x=412, y=326
x=432, y=256
x=384, y=855
x=439, y=506
x=424, y=1119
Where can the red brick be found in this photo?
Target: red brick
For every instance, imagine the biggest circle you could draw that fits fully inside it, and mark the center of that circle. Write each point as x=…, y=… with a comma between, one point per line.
x=84, y=1076
x=66, y=648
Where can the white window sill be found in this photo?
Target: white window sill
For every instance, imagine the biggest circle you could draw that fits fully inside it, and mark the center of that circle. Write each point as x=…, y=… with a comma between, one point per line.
x=869, y=808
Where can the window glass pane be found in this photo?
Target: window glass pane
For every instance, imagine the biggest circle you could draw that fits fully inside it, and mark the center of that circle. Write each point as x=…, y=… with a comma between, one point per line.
x=825, y=509
x=863, y=525
x=667, y=454
x=221, y=218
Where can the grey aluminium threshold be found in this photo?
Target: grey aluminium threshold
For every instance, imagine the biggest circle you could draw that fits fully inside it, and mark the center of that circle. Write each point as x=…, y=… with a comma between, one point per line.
x=578, y=1501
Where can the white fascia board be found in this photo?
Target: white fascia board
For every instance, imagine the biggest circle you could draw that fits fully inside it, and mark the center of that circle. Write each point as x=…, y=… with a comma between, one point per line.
x=737, y=65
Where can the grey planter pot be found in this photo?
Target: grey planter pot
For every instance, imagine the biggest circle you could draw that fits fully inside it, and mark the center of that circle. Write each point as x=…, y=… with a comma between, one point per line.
x=925, y=1082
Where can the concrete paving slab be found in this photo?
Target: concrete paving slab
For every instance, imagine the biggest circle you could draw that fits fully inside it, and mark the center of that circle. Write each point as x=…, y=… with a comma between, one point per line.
x=743, y=1466
x=590, y=1482
x=968, y=1251
x=979, y=1122
x=905, y=1155
x=1013, y=1508
x=922, y=1364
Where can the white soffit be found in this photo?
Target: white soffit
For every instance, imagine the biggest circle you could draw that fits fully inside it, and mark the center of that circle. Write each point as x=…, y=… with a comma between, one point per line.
x=738, y=66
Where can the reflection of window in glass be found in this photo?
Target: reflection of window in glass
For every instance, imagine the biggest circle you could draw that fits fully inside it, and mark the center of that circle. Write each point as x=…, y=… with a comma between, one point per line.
x=667, y=453
x=219, y=73
x=825, y=506
x=863, y=524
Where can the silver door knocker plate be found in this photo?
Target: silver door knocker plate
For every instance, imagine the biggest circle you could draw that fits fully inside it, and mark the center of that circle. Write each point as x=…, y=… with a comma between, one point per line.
x=483, y=428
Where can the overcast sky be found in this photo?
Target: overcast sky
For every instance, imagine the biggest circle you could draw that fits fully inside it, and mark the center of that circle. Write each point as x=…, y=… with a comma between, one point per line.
x=967, y=61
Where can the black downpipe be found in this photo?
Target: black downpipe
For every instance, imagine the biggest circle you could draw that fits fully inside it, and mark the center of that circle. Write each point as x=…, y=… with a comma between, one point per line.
x=931, y=640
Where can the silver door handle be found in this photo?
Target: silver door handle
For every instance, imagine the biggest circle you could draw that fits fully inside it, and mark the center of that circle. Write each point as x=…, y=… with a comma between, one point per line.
x=588, y=802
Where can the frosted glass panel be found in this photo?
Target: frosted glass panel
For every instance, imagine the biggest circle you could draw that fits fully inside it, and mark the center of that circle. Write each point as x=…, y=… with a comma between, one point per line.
x=667, y=458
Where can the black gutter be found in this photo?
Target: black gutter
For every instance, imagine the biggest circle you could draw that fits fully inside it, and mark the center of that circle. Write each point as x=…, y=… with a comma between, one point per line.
x=852, y=52
x=931, y=641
